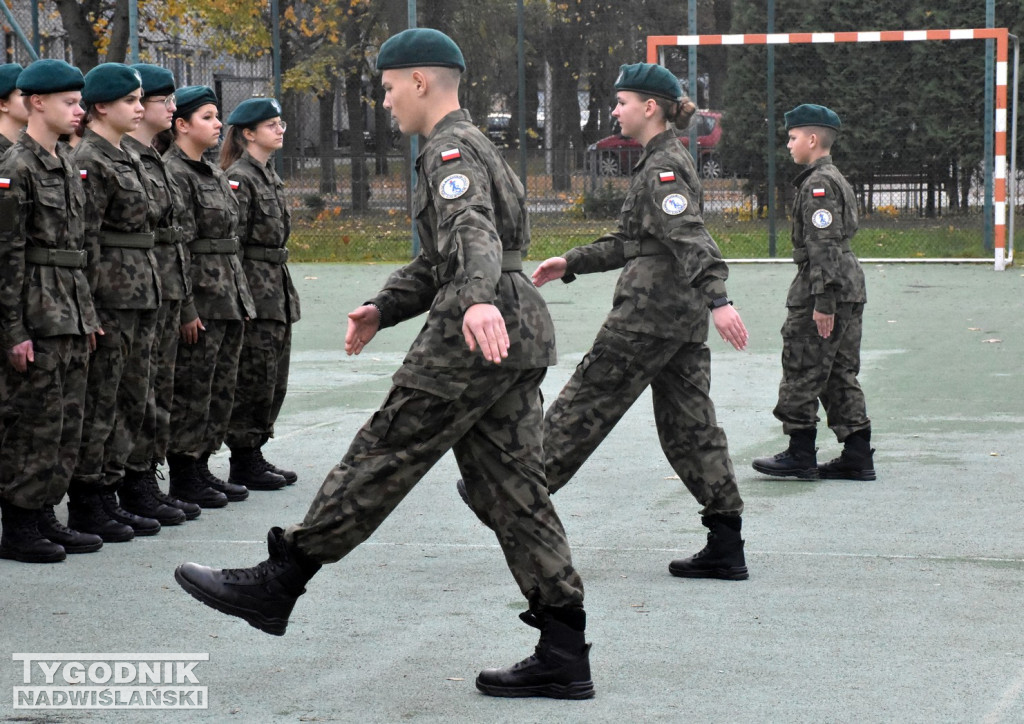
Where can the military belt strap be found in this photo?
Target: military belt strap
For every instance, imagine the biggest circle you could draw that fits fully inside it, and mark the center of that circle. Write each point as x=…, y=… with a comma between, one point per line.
x=800, y=255
x=214, y=246
x=124, y=240
x=265, y=253
x=511, y=261
x=70, y=258
x=169, y=235
x=632, y=248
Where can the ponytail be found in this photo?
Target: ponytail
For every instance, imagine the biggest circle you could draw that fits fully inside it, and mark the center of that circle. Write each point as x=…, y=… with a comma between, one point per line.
x=678, y=113
x=233, y=147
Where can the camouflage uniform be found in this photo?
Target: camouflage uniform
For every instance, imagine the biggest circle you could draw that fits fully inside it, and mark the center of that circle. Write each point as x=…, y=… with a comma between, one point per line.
x=176, y=306
x=264, y=224
x=654, y=335
x=5, y=145
x=204, y=375
x=44, y=297
x=123, y=277
x=471, y=215
x=830, y=280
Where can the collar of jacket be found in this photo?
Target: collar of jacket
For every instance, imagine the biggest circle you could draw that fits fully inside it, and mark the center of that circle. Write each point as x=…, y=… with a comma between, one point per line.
x=823, y=161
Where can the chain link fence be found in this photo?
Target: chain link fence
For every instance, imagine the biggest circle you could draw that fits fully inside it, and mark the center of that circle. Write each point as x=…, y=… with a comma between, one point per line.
x=913, y=140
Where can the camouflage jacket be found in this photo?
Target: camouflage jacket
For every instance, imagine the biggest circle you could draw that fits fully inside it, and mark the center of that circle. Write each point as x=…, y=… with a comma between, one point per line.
x=264, y=221
x=470, y=208
x=118, y=201
x=5, y=145
x=211, y=212
x=42, y=204
x=824, y=221
x=168, y=208
x=671, y=267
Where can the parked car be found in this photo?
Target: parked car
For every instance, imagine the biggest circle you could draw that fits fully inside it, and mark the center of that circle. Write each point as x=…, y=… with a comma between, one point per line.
x=616, y=155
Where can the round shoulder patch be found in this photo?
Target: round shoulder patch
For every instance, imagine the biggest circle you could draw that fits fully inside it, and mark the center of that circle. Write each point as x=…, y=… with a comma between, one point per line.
x=822, y=218
x=674, y=204
x=452, y=187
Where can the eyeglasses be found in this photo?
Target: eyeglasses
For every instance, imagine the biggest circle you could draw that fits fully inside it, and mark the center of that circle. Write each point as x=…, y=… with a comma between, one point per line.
x=168, y=101
x=274, y=125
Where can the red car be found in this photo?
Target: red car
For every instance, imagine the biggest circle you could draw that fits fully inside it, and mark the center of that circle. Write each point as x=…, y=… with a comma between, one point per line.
x=616, y=155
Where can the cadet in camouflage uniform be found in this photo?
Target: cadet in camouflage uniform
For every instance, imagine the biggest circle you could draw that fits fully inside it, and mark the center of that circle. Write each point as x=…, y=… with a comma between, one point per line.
x=126, y=290
x=255, y=131
x=825, y=307
x=656, y=332
x=47, y=321
x=207, y=359
x=13, y=113
x=471, y=215
x=177, y=308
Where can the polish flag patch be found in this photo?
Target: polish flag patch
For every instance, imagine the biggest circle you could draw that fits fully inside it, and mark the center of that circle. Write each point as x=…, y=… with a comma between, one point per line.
x=84, y=174
x=234, y=185
x=816, y=193
x=5, y=183
x=666, y=177
x=451, y=154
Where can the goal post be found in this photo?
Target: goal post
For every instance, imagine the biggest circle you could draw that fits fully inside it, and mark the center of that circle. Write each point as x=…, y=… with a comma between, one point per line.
x=1004, y=161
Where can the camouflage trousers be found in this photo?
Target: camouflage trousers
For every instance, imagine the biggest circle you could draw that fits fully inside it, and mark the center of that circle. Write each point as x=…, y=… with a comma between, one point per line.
x=491, y=419
x=204, y=388
x=115, y=398
x=151, y=442
x=816, y=369
x=618, y=368
x=41, y=421
x=262, y=382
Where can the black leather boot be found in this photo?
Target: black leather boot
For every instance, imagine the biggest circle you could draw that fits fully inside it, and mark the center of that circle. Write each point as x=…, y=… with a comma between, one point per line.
x=234, y=492
x=188, y=486
x=86, y=513
x=722, y=557
x=799, y=460
x=191, y=510
x=137, y=497
x=290, y=476
x=559, y=667
x=855, y=462
x=21, y=539
x=248, y=473
x=73, y=541
x=263, y=595
x=142, y=525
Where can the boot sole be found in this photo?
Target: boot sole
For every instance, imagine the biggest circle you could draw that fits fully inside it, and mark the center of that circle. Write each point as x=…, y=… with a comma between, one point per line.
x=203, y=503
x=803, y=474
x=22, y=558
x=273, y=626
x=735, y=573
x=851, y=475
x=575, y=690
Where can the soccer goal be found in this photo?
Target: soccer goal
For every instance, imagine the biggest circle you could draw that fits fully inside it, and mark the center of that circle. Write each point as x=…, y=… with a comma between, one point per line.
x=1000, y=189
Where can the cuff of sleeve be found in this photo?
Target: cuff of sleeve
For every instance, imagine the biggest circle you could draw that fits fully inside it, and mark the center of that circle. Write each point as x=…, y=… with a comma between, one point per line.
x=476, y=292
x=825, y=304
x=386, y=315
x=714, y=289
x=188, y=312
x=14, y=334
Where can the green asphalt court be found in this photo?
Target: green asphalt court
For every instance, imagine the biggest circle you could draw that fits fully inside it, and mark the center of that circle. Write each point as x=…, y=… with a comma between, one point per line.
x=896, y=600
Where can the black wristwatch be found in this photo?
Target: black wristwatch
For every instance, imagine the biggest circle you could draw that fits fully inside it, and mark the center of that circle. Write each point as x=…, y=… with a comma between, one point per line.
x=720, y=302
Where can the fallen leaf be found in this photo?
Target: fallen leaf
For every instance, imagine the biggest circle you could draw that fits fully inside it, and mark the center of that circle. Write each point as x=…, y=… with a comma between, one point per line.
x=310, y=278
x=991, y=341
x=994, y=454
x=974, y=329
x=455, y=678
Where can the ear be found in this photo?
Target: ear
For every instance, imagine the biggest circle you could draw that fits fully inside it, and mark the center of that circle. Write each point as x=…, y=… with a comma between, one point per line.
x=180, y=125
x=420, y=81
x=36, y=102
x=248, y=135
x=650, y=107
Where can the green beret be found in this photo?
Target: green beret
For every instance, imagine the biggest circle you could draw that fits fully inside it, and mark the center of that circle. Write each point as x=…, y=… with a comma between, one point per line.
x=109, y=82
x=9, y=73
x=156, y=81
x=190, y=97
x=49, y=76
x=417, y=47
x=649, y=78
x=252, y=111
x=810, y=114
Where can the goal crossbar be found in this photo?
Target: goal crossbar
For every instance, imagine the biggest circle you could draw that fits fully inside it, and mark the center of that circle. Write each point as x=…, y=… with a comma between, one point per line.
x=1004, y=162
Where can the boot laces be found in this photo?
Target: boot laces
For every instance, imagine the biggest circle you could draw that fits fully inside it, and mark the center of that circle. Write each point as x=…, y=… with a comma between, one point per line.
x=259, y=463
x=53, y=523
x=259, y=573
